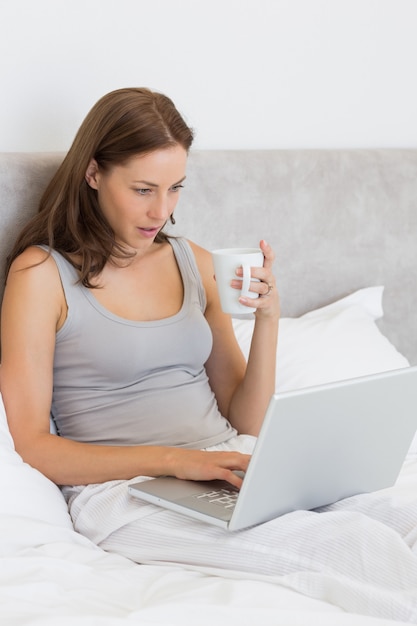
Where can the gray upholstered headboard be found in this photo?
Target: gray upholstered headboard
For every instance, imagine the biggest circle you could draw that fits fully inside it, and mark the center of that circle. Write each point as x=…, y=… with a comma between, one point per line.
x=338, y=219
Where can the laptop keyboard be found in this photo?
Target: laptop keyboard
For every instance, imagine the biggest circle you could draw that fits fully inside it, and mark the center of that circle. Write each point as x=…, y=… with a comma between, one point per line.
x=225, y=498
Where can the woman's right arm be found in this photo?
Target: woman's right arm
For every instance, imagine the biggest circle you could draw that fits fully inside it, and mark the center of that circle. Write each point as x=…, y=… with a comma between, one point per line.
x=34, y=308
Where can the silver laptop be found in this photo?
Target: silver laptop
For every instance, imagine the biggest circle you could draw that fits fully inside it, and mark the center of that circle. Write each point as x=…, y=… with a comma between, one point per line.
x=316, y=446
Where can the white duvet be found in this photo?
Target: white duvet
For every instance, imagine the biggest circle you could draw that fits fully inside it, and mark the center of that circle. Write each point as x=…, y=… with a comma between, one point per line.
x=51, y=575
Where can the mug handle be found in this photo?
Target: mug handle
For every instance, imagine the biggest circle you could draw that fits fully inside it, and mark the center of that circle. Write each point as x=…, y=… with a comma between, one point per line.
x=246, y=282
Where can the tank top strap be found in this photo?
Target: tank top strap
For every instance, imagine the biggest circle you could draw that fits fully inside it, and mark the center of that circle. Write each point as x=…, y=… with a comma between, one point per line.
x=67, y=272
x=188, y=266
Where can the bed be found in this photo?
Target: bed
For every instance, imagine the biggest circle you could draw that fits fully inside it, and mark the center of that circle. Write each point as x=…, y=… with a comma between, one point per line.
x=343, y=224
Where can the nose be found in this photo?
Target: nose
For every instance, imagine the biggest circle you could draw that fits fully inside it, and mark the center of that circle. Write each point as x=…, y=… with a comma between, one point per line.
x=161, y=207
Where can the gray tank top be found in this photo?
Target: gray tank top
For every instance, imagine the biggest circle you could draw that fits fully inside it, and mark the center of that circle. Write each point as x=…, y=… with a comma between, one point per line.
x=121, y=382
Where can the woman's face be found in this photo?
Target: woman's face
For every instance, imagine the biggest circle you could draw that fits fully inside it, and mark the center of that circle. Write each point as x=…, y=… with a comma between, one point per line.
x=138, y=197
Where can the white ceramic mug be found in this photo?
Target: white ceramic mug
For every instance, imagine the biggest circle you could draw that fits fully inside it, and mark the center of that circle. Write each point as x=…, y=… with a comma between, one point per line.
x=226, y=261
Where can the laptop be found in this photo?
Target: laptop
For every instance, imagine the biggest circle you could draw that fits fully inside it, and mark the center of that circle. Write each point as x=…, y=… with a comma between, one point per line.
x=316, y=446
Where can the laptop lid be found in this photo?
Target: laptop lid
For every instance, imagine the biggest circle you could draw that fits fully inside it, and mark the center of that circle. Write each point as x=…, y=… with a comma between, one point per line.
x=317, y=445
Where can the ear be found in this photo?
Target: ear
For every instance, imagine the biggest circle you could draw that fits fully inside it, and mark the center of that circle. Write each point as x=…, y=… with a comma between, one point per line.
x=92, y=174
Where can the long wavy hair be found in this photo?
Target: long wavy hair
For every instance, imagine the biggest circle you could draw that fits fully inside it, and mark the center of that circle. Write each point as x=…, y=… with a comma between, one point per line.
x=124, y=123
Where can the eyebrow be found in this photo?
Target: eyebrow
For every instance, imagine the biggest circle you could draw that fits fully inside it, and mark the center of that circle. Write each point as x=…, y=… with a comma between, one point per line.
x=149, y=184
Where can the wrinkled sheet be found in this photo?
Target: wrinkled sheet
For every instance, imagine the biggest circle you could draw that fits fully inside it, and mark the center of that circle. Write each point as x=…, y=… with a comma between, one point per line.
x=49, y=572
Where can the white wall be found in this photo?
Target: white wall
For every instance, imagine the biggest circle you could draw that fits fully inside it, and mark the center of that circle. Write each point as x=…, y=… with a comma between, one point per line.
x=245, y=73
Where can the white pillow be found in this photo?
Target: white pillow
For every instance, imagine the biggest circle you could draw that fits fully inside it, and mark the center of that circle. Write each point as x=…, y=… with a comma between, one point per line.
x=335, y=342
x=25, y=491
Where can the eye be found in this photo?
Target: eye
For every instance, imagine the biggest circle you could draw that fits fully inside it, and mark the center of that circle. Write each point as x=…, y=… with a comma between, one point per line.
x=177, y=187
x=143, y=191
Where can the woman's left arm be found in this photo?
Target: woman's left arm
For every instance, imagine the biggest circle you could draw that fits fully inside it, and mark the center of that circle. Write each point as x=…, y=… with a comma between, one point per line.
x=243, y=392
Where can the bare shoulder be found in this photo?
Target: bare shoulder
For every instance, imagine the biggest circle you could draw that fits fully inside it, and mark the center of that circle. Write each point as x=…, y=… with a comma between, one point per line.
x=34, y=277
x=31, y=257
x=34, y=264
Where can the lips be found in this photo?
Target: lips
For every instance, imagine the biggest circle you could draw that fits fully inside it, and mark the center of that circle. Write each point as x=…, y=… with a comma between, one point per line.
x=149, y=232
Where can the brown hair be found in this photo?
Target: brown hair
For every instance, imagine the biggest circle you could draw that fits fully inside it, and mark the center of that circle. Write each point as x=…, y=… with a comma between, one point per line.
x=122, y=124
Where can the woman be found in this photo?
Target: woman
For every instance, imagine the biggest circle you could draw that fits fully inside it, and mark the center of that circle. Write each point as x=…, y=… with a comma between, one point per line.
x=116, y=327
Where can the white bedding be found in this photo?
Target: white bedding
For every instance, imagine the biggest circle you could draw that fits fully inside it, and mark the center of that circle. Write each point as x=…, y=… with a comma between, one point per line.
x=49, y=574
x=49, y=571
